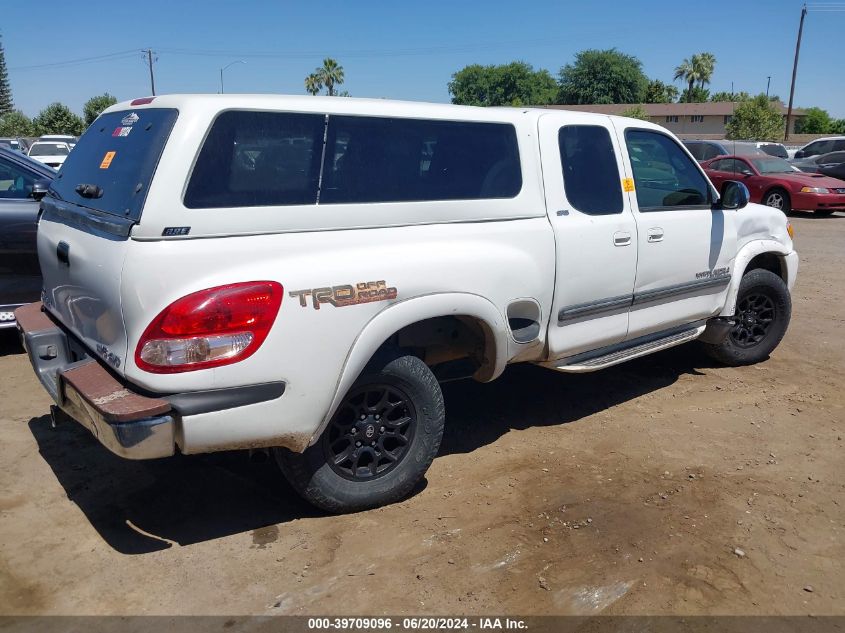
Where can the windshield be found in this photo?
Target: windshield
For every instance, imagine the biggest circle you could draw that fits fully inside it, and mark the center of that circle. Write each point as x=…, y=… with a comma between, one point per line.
x=117, y=156
x=773, y=166
x=49, y=149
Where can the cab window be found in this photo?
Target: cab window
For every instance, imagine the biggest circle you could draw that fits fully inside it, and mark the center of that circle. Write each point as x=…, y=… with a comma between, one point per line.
x=590, y=172
x=664, y=176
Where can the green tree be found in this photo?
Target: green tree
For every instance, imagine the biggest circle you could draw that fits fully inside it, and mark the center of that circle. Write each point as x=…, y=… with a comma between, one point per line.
x=814, y=121
x=837, y=126
x=756, y=120
x=659, y=92
x=57, y=118
x=92, y=108
x=636, y=112
x=730, y=96
x=7, y=105
x=16, y=123
x=513, y=84
x=602, y=77
x=327, y=76
x=699, y=95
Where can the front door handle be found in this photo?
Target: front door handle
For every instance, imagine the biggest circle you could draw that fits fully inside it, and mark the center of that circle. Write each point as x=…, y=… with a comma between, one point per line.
x=621, y=238
x=655, y=234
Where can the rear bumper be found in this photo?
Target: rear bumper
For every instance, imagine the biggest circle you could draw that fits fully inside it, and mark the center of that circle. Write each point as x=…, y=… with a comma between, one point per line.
x=129, y=423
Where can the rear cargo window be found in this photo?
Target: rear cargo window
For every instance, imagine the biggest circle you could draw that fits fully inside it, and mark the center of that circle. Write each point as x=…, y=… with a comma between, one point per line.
x=371, y=159
x=258, y=159
x=116, y=158
x=277, y=158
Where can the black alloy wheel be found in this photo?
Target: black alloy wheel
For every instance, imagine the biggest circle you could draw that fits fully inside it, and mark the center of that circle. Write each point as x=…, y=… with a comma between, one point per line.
x=754, y=317
x=370, y=433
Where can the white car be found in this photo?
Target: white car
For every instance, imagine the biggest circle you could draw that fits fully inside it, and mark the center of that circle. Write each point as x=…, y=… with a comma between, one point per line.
x=60, y=138
x=50, y=153
x=245, y=271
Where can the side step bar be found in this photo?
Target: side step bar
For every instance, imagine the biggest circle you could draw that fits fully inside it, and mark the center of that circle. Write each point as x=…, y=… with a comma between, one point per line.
x=591, y=362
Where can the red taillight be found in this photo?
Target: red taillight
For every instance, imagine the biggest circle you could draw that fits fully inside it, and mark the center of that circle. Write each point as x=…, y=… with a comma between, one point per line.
x=210, y=328
x=142, y=101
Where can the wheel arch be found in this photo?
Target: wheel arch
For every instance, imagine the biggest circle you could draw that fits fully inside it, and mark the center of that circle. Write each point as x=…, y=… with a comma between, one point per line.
x=382, y=329
x=764, y=254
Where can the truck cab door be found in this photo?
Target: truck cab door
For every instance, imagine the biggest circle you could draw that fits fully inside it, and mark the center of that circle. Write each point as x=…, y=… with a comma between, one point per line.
x=595, y=232
x=686, y=243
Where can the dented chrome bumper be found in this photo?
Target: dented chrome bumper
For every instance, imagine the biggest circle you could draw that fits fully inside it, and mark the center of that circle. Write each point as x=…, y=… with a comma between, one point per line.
x=129, y=424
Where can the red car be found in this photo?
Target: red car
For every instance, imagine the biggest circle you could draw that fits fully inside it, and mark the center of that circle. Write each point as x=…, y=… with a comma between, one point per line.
x=776, y=183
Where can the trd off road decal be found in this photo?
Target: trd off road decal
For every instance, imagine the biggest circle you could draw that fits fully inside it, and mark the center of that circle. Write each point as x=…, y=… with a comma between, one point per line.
x=346, y=295
x=713, y=274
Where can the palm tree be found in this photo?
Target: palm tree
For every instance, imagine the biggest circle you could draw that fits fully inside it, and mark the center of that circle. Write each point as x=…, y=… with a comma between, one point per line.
x=689, y=71
x=706, y=66
x=313, y=84
x=329, y=75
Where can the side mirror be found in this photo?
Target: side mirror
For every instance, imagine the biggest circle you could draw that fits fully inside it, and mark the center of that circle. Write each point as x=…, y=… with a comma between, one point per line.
x=734, y=195
x=799, y=154
x=39, y=189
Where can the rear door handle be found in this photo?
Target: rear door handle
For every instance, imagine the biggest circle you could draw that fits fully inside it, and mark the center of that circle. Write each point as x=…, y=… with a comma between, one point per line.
x=621, y=238
x=655, y=234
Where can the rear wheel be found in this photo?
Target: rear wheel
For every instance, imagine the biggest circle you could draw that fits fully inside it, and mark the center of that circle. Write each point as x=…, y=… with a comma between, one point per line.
x=378, y=444
x=779, y=199
x=763, y=310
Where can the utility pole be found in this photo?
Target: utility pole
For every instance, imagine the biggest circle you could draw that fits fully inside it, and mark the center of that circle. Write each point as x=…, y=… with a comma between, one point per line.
x=794, y=71
x=768, y=83
x=149, y=53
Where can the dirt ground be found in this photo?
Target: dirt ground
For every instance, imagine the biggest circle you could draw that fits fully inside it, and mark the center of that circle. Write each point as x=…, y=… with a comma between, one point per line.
x=621, y=492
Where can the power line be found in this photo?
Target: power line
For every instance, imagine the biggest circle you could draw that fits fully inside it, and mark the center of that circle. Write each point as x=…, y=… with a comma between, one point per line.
x=80, y=61
x=372, y=52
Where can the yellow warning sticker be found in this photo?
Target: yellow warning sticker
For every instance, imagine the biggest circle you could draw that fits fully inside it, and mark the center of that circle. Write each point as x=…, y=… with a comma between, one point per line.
x=107, y=159
x=628, y=184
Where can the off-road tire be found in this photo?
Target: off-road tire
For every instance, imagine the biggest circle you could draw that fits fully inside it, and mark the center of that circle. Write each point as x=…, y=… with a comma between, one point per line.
x=315, y=474
x=762, y=296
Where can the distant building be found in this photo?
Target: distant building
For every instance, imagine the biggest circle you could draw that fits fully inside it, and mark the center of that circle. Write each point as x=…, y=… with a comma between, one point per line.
x=687, y=120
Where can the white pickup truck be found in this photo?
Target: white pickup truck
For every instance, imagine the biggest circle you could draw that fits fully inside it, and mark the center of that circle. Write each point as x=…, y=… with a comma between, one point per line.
x=242, y=271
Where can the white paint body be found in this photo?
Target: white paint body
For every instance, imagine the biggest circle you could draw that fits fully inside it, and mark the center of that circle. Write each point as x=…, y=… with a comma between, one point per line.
x=472, y=258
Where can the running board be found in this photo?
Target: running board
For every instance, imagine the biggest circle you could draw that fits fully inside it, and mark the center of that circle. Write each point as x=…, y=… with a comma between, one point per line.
x=594, y=363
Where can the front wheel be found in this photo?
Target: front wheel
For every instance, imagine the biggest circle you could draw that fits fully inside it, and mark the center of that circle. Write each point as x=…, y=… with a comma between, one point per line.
x=779, y=199
x=763, y=310
x=379, y=443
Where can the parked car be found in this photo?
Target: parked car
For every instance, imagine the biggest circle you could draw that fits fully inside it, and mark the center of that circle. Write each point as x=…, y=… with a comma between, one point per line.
x=50, y=153
x=17, y=144
x=777, y=183
x=705, y=150
x=20, y=277
x=312, y=297
x=822, y=146
x=60, y=138
x=822, y=164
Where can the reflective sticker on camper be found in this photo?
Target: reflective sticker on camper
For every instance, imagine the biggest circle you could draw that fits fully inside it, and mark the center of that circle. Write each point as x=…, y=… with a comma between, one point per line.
x=107, y=159
x=628, y=184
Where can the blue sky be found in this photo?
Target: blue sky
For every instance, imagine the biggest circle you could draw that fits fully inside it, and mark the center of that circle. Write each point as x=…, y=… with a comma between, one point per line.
x=402, y=50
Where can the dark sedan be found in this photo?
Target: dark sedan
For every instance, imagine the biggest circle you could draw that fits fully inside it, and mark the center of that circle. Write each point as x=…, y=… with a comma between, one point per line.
x=22, y=182
x=832, y=164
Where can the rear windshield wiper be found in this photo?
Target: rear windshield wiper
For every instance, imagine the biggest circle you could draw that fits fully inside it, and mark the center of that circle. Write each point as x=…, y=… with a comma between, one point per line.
x=89, y=191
